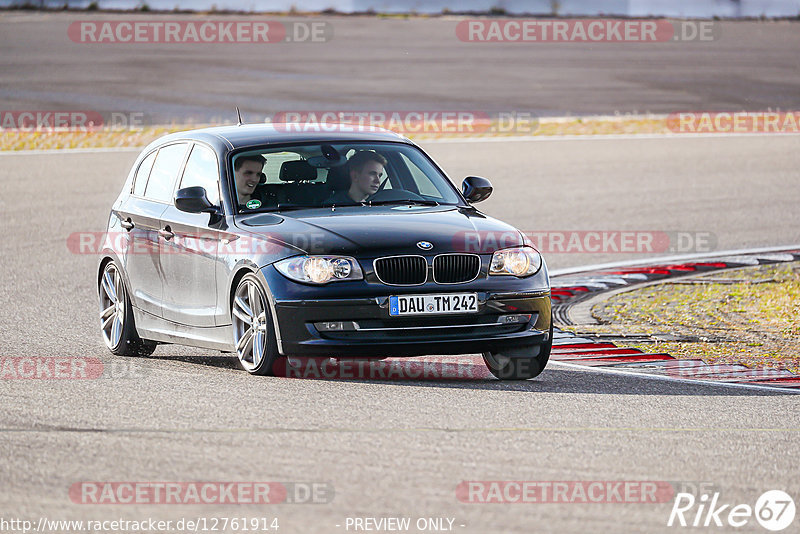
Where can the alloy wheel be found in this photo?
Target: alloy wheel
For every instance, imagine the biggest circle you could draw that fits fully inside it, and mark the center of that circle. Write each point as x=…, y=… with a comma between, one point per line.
x=250, y=328
x=112, y=305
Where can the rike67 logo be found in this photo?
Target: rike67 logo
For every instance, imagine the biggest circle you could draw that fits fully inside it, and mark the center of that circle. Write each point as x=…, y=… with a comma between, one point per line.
x=774, y=510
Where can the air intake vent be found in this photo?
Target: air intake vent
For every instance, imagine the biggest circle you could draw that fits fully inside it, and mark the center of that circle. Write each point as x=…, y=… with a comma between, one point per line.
x=456, y=268
x=402, y=270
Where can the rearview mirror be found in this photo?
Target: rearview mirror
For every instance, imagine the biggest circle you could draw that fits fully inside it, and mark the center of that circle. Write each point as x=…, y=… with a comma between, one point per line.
x=193, y=200
x=476, y=189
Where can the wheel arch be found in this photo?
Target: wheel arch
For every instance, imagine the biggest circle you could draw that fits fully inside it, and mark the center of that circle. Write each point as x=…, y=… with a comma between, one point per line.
x=237, y=277
x=101, y=264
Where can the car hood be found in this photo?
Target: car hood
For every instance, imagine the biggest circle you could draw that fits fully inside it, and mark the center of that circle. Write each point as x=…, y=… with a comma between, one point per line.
x=384, y=230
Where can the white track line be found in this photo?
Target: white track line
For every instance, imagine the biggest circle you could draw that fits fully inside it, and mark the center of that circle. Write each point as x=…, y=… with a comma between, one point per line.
x=658, y=260
x=593, y=137
x=71, y=151
x=505, y=139
x=577, y=367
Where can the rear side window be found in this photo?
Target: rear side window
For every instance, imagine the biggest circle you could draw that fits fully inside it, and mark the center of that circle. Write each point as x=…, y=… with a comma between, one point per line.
x=143, y=174
x=165, y=171
x=272, y=168
x=202, y=169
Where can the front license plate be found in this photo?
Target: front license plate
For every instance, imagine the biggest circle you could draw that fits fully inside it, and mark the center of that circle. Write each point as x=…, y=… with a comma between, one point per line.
x=433, y=304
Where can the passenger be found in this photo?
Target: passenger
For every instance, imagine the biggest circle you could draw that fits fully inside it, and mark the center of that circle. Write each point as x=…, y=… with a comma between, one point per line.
x=248, y=172
x=366, y=169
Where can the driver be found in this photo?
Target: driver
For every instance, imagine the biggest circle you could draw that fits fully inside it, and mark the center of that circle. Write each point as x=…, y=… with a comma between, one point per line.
x=247, y=175
x=366, y=169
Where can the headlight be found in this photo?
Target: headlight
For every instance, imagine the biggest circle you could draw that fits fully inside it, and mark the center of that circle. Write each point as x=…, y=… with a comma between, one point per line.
x=320, y=269
x=521, y=261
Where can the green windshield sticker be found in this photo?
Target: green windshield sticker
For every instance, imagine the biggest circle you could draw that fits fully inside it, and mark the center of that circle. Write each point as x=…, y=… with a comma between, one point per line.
x=253, y=204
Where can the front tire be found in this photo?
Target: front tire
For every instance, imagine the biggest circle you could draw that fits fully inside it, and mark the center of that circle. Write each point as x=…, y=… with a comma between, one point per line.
x=116, y=316
x=253, y=335
x=516, y=366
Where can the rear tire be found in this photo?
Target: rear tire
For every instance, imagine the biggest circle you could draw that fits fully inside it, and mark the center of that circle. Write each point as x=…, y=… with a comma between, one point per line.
x=513, y=366
x=116, y=316
x=253, y=335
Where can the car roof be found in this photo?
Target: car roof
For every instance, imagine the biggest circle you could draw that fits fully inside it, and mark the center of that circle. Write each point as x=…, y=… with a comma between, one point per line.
x=225, y=138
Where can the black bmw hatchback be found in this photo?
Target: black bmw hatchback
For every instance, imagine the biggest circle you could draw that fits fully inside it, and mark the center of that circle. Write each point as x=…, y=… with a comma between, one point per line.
x=271, y=241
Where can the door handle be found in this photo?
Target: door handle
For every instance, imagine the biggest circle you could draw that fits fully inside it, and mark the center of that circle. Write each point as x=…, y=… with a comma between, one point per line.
x=127, y=224
x=166, y=233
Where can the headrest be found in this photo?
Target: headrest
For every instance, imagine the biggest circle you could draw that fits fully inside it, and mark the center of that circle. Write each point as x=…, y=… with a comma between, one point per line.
x=297, y=171
x=338, y=178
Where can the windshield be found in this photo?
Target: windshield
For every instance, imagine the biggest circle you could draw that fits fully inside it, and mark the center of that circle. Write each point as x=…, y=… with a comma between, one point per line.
x=337, y=175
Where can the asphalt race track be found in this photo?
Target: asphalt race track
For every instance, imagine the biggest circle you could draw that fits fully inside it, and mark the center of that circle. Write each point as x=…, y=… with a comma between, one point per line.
x=395, y=448
x=373, y=63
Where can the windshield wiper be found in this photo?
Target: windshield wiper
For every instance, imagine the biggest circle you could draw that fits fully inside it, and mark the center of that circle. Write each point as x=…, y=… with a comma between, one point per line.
x=420, y=202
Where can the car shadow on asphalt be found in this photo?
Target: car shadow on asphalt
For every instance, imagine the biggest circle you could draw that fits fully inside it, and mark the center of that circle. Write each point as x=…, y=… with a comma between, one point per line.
x=469, y=373
x=568, y=381
x=223, y=361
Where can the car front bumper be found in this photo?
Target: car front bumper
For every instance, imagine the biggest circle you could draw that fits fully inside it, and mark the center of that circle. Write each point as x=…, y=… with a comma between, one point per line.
x=360, y=326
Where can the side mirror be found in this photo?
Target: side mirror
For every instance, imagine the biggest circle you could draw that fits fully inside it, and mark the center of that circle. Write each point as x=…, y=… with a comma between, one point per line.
x=476, y=189
x=193, y=200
